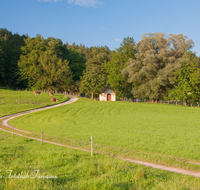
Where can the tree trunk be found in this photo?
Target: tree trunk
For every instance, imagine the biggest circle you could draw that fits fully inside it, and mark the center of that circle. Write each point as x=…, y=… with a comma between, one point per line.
x=185, y=103
x=92, y=95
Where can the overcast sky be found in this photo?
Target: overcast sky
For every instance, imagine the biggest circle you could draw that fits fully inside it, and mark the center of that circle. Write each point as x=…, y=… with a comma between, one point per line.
x=101, y=22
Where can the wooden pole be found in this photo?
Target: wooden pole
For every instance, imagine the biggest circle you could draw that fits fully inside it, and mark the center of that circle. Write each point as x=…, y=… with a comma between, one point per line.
x=92, y=146
x=41, y=137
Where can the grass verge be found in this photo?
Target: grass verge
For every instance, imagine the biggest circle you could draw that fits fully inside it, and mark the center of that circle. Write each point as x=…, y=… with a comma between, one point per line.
x=62, y=168
x=12, y=101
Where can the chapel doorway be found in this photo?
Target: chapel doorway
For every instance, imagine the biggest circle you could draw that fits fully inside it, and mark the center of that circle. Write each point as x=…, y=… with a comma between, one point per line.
x=108, y=97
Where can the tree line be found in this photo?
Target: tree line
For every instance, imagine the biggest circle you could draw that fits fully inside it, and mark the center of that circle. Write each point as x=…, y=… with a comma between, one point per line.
x=158, y=67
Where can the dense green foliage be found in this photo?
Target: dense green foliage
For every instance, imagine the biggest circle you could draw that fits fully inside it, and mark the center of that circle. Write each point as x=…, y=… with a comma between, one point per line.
x=157, y=58
x=118, y=63
x=9, y=55
x=141, y=70
x=43, y=64
x=94, y=78
x=187, y=80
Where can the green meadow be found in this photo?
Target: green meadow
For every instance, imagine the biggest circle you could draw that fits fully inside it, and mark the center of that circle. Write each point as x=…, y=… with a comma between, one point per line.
x=157, y=133
x=26, y=164
x=12, y=101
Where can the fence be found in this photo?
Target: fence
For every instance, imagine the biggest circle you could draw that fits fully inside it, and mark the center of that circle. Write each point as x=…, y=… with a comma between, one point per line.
x=173, y=102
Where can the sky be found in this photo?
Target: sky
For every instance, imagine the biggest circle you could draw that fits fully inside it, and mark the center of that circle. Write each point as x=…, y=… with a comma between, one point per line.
x=101, y=22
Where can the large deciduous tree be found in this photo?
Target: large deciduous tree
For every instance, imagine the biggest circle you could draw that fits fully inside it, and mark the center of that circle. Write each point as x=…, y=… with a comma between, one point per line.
x=158, y=57
x=118, y=62
x=43, y=64
x=187, y=80
x=94, y=78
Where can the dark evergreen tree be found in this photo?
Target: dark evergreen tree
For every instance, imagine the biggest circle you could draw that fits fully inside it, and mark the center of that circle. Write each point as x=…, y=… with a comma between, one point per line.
x=10, y=50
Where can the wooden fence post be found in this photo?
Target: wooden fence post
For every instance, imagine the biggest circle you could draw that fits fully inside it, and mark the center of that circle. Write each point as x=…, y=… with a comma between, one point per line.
x=92, y=146
x=41, y=137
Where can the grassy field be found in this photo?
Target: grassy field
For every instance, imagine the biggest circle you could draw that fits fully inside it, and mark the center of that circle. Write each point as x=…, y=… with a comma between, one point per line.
x=12, y=101
x=62, y=168
x=162, y=134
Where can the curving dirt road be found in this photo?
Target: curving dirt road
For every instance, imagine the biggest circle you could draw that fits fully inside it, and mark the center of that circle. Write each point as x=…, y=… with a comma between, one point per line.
x=72, y=99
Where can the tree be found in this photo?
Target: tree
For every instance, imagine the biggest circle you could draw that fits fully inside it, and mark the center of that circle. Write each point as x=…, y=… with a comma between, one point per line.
x=76, y=63
x=2, y=64
x=10, y=50
x=43, y=65
x=118, y=63
x=94, y=78
x=157, y=58
x=187, y=80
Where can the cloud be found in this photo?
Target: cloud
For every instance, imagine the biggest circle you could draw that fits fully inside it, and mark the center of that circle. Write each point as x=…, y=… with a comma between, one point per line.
x=85, y=3
x=50, y=0
x=118, y=40
x=82, y=3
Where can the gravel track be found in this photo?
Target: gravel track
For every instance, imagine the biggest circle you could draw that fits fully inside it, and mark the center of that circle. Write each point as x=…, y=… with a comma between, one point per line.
x=72, y=99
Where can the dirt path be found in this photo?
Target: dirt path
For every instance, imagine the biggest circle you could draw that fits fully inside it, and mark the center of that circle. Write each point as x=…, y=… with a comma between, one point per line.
x=72, y=99
x=5, y=121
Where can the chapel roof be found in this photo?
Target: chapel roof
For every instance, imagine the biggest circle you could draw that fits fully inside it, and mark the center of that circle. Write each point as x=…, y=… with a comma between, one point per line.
x=107, y=88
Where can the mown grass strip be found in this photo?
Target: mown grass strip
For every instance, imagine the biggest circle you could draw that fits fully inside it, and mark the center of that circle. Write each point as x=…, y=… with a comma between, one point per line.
x=161, y=134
